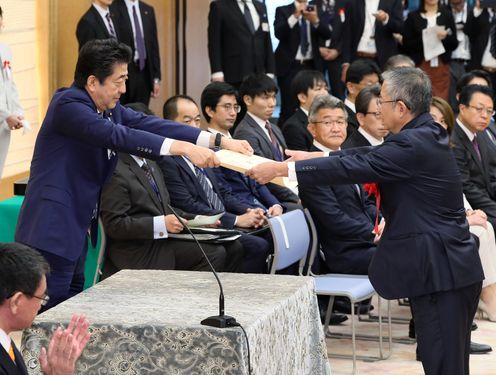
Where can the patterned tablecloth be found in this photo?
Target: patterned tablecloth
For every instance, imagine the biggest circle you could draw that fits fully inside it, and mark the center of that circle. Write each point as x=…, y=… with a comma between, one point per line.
x=148, y=322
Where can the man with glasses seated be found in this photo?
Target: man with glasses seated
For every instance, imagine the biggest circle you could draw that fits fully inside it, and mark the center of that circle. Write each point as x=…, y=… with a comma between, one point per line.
x=23, y=290
x=371, y=131
x=474, y=152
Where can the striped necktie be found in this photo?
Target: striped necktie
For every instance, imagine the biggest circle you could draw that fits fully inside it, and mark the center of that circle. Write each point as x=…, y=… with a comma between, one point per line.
x=276, y=146
x=213, y=198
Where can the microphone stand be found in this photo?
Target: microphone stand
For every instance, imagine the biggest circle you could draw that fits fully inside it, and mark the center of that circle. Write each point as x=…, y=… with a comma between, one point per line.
x=221, y=320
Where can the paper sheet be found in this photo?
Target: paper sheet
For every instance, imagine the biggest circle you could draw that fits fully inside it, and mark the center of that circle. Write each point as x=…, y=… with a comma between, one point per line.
x=433, y=46
x=26, y=127
x=201, y=220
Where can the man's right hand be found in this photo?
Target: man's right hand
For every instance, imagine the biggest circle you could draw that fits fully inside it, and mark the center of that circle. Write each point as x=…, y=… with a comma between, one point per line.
x=172, y=224
x=199, y=156
x=253, y=218
x=14, y=122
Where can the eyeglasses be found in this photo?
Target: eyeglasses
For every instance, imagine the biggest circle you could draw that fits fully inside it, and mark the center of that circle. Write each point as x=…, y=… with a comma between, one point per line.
x=44, y=299
x=479, y=110
x=230, y=107
x=380, y=102
x=377, y=115
x=328, y=124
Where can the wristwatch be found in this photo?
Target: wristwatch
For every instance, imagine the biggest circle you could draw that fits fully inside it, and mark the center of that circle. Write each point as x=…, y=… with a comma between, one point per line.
x=218, y=139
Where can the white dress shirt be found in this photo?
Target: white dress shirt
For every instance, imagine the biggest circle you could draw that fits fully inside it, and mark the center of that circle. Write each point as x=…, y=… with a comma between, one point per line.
x=103, y=13
x=5, y=340
x=129, y=5
x=367, y=41
x=371, y=139
x=468, y=132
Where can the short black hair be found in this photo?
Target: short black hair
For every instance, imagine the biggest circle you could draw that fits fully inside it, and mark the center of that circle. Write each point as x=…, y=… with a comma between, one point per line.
x=470, y=90
x=212, y=93
x=467, y=77
x=361, y=68
x=305, y=80
x=140, y=107
x=21, y=270
x=98, y=57
x=169, y=110
x=366, y=95
x=1, y=12
x=257, y=84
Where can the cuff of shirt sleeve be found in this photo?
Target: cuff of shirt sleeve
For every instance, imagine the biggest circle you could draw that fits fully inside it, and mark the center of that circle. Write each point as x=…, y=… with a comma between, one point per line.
x=384, y=23
x=165, y=149
x=292, y=21
x=217, y=75
x=271, y=75
x=477, y=12
x=204, y=139
x=292, y=172
x=159, y=228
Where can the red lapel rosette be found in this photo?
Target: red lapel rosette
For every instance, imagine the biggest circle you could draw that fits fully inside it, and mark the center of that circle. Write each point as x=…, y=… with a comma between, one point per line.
x=373, y=189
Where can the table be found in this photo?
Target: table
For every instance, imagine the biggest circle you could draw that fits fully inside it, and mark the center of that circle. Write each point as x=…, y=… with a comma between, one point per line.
x=9, y=213
x=148, y=322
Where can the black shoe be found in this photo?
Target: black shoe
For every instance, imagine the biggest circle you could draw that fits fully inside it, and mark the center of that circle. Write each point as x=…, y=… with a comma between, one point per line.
x=335, y=318
x=474, y=326
x=411, y=330
x=479, y=348
x=344, y=307
x=417, y=355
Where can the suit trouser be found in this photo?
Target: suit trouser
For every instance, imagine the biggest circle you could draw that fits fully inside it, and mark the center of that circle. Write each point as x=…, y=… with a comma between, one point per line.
x=443, y=322
x=138, y=85
x=256, y=250
x=66, y=277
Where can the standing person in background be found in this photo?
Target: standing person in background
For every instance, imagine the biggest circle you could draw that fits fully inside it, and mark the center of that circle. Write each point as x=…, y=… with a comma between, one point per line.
x=11, y=112
x=136, y=26
x=96, y=23
x=429, y=15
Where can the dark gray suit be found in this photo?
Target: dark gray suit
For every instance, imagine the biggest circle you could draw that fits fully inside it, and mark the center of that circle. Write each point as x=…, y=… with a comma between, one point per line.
x=8, y=367
x=249, y=130
x=128, y=206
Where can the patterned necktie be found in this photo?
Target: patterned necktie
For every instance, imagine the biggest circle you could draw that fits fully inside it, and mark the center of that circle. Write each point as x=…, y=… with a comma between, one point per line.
x=303, y=36
x=276, y=146
x=475, y=143
x=151, y=180
x=248, y=18
x=111, y=29
x=492, y=35
x=213, y=198
x=140, y=41
x=11, y=352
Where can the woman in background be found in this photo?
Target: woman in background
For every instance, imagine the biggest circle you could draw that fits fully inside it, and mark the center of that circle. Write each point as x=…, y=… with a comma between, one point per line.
x=11, y=113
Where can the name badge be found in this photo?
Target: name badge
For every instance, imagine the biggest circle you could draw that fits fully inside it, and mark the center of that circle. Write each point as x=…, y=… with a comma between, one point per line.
x=265, y=27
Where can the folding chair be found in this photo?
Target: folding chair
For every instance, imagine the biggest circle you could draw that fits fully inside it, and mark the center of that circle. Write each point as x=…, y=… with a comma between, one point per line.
x=101, y=252
x=356, y=288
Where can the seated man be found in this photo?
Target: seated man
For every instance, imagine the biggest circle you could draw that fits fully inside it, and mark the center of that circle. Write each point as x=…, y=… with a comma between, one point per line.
x=197, y=191
x=259, y=95
x=219, y=106
x=371, y=131
x=22, y=293
x=305, y=86
x=343, y=216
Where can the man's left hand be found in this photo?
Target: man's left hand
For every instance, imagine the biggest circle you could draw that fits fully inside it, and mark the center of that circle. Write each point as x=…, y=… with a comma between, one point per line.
x=237, y=145
x=266, y=172
x=156, y=90
x=275, y=210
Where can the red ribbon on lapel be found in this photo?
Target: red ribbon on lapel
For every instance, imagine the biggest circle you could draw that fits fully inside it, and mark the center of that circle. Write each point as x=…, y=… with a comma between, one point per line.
x=6, y=64
x=373, y=189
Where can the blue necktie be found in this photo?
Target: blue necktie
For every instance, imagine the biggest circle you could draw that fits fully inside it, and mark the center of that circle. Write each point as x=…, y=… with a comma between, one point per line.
x=303, y=37
x=248, y=18
x=213, y=198
x=140, y=41
x=151, y=179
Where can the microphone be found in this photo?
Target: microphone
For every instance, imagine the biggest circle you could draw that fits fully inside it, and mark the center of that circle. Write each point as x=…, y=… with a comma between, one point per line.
x=221, y=320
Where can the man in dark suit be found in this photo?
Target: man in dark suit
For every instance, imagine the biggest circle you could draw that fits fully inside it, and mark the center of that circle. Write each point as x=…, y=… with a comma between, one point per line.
x=372, y=130
x=259, y=95
x=239, y=41
x=343, y=215
x=360, y=74
x=298, y=26
x=474, y=151
x=96, y=23
x=22, y=293
x=369, y=30
x=137, y=220
x=75, y=155
x=424, y=255
x=136, y=26
x=306, y=85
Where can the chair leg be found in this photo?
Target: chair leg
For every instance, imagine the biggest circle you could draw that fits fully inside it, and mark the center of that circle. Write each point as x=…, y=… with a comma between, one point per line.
x=353, y=339
x=328, y=314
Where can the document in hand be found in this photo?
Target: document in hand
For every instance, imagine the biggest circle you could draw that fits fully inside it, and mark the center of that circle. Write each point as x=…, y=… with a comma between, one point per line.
x=241, y=163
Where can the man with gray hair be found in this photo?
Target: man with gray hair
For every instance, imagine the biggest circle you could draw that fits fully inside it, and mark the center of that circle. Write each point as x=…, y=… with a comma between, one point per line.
x=426, y=251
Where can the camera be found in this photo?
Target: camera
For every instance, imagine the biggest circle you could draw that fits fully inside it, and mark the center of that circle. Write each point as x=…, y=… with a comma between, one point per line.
x=310, y=8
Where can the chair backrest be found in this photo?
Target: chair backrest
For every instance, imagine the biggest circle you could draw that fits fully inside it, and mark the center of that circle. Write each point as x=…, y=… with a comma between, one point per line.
x=315, y=242
x=291, y=240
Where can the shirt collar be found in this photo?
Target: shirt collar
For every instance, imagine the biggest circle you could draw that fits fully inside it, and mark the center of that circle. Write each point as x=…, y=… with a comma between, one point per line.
x=138, y=160
x=215, y=131
x=129, y=4
x=321, y=147
x=5, y=340
x=258, y=120
x=372, y=140
x=304, y=111
x=102, y=11
x=350, y=105
x=468, y=132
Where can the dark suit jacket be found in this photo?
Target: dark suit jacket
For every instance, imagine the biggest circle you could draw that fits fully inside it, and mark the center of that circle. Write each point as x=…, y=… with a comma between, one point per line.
x=412, y=34
x=232, y=49
x=385, y=44
x=244, y=188
x=7, y=367
x=355, y=139
x=353, y=124
x=477, y=30
x=125, y=34
x=128, y=206
x=344, y=220
x=289, y=39
x=92, y=26
x=426, y=245
x=249, y=130
x=295, y=132
x=479, y=177
x=187, y=194
x=71, y=163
